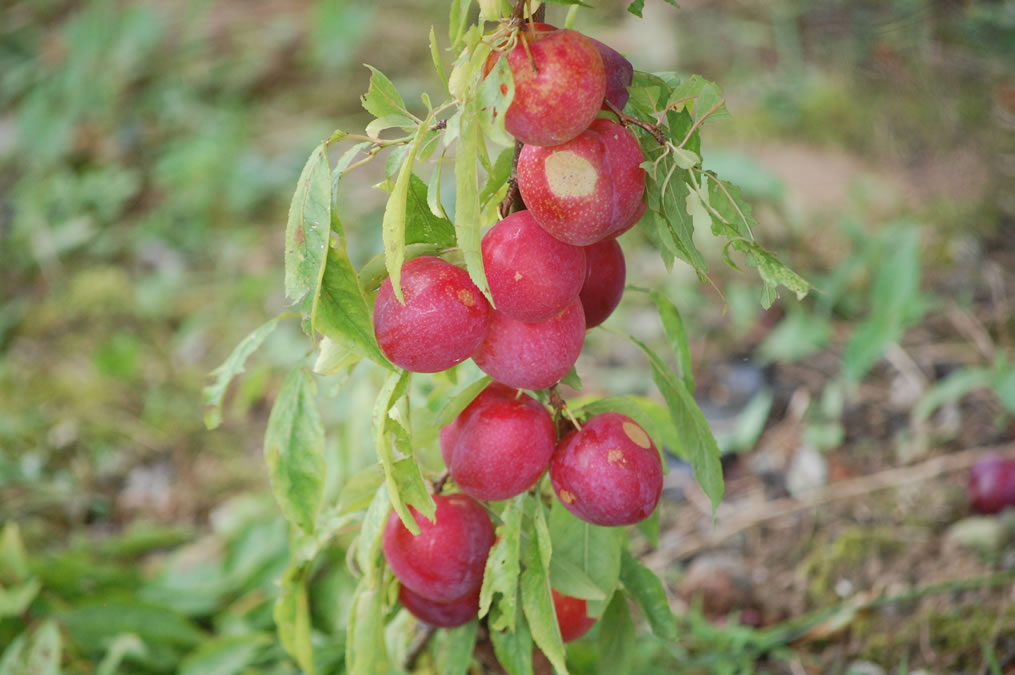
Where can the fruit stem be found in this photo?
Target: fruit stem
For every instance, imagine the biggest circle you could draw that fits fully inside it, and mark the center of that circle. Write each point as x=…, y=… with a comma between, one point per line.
x=438, y=485
x=627, y=120
x=513, y=199
x=560, y=407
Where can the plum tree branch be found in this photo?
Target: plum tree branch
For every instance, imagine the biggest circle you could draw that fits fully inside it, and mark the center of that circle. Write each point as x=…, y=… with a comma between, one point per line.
x=627, y=120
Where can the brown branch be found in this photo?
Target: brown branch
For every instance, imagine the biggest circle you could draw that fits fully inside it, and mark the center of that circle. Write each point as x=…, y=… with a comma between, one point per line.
x=438, y=485
x=627, y=120
x=513, y=199
x=847, y=489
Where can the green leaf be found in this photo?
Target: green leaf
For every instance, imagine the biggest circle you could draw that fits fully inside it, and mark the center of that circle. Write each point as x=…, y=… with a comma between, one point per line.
x=307, y=230
x=495, y=96
x=514, y=649
x=454, y=649
x=13, y=556
x=334, y=357
x=422, y=226
x=292, y=617
x=647, y=590
x=592, y=549
x=120, y=648
x=636, y=8
x=230, y=368
x=294, y=451
x=14, y=600
x=616, y=637
x=773, y=272
x=502, y=566
x=457, y=20
x=226, y=655
x=90, y=626
x=365, y=649
x=358, y=491
x=676, y=335
x=382, y=98
x=371, y=534
x=340, y=310
x=674, y=214
x=499, y=176
x=428, y=427
x=438, y=61
x=696, y=439
x=44, y=650
x=537, y=605
x=569, y=579
x=467, y=207
x=951, y=388
x=393, y=222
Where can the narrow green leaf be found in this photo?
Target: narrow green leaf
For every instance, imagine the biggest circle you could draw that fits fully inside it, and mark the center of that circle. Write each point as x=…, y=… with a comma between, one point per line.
x=537, y=605
x=308, y=226
x=368, y=545
x=455, y=647
x=457, y=21
x=737, y=216
x=15, y=599
x=13, y=556
x=502, y=566
x=616, y=637
x=382, y=98
x=340, y=310
x=91, y=626
x=428, y=426
x=433, y=191
x=44, y=650
x=495, y=96
x=590, y=548
x=649, y=528
x=292, y=618
x=358, y=491
x=422, y=226
x=226, y=655
x=230, y=368
x=514, y=649
x=569, y=579
x=951, y=389
x=334, y=357
x=647, y=590
x=695, y=435
x=393, y=222
x=467, y=207
x=120, y=648
x=499, y=176
x=773, y=272
x=294, y=451
x=438, y=61
x=676, y=335
x=365, y=650
x=678, y=219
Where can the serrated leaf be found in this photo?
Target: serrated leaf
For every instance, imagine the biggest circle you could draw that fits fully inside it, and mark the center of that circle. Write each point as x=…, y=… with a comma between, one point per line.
x=233, y=365
x=467, y=206
x=502, y=566
x=455, y=647
x=382, y=98
x=676, y=335
x=294, y=451
x=695, y=435
x=340, y=310
x=685, y=159
x=393, y=222
x=308, y=227
x=495, y=96
x=592, y=549
x=368, y=545
x=537, y=605
x=422, y=226
x=676, y=215
x=737, y=216
x=617, y=637
x=514, y=649
x=365, y=650
x=773, y=272
x=647, y=590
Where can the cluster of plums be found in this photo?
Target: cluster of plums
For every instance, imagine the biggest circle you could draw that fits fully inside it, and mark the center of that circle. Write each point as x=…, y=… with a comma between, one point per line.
x=554, y=270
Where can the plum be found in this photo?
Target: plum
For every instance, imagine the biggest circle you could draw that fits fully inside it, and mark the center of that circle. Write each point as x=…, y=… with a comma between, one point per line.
x=502, y=444
x=445, y=561
x=441, y=614
x=609, y=473
x=604, y=281
x=587, y=189
x=572, y=616
x=992, y=484
x=532, y=276
x=619, y=75
x=560, y=84
x=532, y=355
x=444, y=318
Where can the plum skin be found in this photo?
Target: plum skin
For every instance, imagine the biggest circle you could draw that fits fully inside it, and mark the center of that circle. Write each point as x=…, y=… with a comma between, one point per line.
x=532, y=355
x=532, y=276
x=441, y=614
x=444, y=319
x=587, y=189
x=572, y=617
x=608, y=473
x=604, y=281
x=991, y=486
x=445, y=561
x=619, y=75
x=499, y=445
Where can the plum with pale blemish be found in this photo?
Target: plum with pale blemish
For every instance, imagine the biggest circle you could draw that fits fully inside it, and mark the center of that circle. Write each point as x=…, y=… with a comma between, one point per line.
x=587, y=189
x=604, y=281
x=532, y=276
x=445, y=561
x=572, y=616
x=608, y=473
x=532, y=355
x=444, y=318
x=560, y=84
x=441, y=614
x=619, y=75
x=500, y=444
